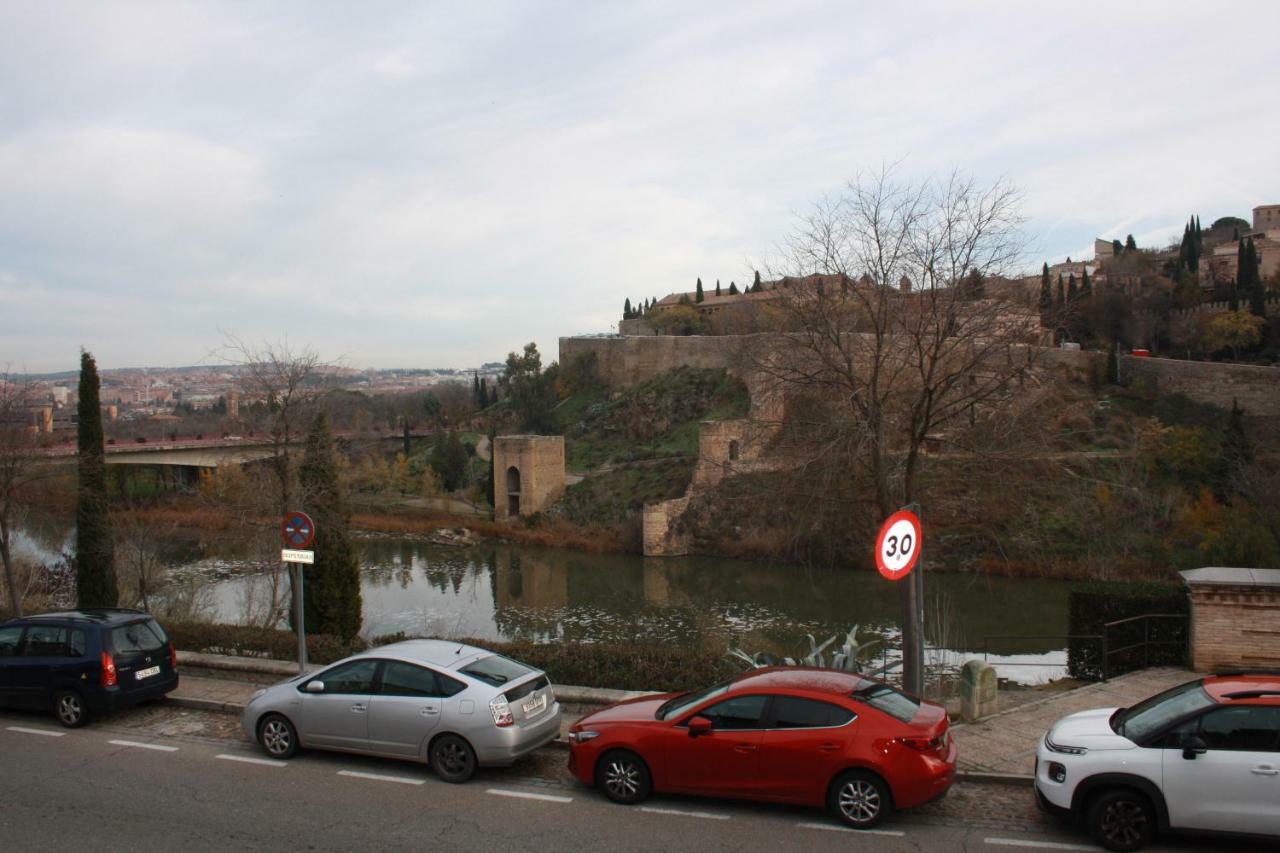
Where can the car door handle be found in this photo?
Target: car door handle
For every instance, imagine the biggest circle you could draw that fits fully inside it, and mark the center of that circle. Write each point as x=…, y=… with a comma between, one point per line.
x=428, y=712
x=1265, y=770
x=829, y=747
x=745, y=747
x=358, y=708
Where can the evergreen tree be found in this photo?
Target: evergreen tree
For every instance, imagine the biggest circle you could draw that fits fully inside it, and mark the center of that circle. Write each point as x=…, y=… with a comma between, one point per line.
x=95, y=553
x=449, y=460
x=1062, y=297
x=1072, y=292
x=717, y=288
x=475, y=390
x=699, y=296
x=1116, y=247
x=331, y=589
x=1046, y=294
x=1199, y=236
x=626, y=309
x=1254, y=288
x=1130, y=245
x=755, y=285
x=1193, y=246
x=1086, y=286
x=733, y=289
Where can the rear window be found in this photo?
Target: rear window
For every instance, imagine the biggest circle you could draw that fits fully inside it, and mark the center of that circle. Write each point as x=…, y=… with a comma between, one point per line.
x=884, y=698
x=496, y=670
x=136, y=637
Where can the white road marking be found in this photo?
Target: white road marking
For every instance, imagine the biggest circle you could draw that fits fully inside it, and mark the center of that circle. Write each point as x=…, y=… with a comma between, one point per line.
x=157, y=747
x=404, y=780
x=682, y=813
x=525, y=795
x=1042, y=845
x=27, y=731
x=265, y=762
x=831, y=827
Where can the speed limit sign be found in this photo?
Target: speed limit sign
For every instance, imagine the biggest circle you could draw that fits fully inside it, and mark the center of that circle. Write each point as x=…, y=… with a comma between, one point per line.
x=898, y=544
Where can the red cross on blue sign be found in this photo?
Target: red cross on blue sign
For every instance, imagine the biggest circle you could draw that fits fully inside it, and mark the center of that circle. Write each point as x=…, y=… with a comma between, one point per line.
x=297, y=530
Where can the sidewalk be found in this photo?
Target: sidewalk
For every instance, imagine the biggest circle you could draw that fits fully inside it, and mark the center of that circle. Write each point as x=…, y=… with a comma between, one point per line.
x=1004, y=744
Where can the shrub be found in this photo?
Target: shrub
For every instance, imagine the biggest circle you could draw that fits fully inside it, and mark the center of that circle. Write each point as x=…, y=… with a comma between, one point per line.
x=248, y=641
x=612, y=665
x=1091, y=606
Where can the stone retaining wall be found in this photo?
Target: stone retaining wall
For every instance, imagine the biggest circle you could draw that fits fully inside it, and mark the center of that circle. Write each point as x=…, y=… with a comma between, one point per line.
x=1256, y=388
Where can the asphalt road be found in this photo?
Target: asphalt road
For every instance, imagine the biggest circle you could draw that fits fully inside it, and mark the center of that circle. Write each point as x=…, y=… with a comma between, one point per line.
x=116, y=786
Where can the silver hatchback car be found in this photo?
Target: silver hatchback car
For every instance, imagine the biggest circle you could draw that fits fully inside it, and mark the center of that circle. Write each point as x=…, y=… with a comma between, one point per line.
x=453, y=706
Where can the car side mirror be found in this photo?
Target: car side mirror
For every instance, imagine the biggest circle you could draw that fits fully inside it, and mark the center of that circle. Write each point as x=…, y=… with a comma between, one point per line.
x=1194, y=745
x=314, y=687
x=700, y=726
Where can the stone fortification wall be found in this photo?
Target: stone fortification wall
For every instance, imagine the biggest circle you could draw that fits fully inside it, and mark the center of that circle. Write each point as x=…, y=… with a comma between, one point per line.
x=659, y=533
x=624, y=361
x=1256, y=388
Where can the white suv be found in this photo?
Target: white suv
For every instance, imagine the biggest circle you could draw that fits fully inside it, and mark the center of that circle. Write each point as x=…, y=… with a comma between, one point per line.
x=1204, y=757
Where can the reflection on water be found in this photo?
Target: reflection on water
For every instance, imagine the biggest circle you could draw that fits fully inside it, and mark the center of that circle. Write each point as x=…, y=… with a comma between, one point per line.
x=504, y=592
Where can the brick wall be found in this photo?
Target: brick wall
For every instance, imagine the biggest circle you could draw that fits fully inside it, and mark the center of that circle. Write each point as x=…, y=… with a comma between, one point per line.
x=1234, y=627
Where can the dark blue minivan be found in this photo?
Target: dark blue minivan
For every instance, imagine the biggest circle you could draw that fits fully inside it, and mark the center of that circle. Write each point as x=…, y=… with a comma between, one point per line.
x=85, y=662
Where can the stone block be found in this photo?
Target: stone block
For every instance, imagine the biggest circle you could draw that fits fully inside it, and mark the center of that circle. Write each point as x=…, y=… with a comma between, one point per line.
x=978, y=690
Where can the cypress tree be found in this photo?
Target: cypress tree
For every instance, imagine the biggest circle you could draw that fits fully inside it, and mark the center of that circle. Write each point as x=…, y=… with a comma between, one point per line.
x=1046, y=293
x=699, y=296
x=717, y=288
x=1062, y=297
x=331, y=591
x=1116, y=247
x=733, y=289
x=626, y=309
x=1130, y=245
x=95, y=553
x=1257, y=294
x=1199, y=235
x=1193, y=246
x=1086, y=287
x=755, y=285
x=1072, y=292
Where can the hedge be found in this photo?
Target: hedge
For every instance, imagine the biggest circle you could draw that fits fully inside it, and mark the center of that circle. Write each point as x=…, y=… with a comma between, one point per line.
x=621, y=666
x=1091, y=605
x=245, y=641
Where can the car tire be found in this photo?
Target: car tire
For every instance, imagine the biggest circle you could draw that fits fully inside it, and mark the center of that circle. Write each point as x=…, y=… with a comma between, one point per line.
x=859, y=800
x=1122, y=820
x=69, y=708
x=453, y=759
x=624, y=777
x=278, y=737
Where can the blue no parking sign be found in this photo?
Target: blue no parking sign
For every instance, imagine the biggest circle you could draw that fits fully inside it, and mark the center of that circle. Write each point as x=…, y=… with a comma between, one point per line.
x=297, y=530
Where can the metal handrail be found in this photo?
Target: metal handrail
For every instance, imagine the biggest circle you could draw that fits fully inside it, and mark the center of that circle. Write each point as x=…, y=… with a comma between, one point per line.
x=1103, y=638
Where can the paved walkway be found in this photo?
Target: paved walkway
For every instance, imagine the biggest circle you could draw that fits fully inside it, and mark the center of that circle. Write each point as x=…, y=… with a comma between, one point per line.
x=1005, y=743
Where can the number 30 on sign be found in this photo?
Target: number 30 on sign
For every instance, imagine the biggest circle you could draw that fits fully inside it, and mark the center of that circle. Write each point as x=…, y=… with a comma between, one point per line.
x=898, y=544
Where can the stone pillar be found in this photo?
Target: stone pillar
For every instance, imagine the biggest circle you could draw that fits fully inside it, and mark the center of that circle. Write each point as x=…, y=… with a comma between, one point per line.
x=1235, y=618
x=978, y=690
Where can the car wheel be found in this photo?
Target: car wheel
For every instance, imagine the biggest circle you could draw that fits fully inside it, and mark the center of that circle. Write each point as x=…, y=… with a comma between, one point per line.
x=859, y=799
x=278, y=737
x=1122, y=820
x=69, y=708
x=453, y=759
x=624, y=777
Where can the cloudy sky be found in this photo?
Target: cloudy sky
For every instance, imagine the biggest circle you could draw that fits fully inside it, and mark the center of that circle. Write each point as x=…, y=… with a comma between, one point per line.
x=435, y=184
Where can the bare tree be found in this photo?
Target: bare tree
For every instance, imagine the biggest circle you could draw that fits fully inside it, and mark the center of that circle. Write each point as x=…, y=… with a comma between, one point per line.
x=892, y=328
x=19, y=468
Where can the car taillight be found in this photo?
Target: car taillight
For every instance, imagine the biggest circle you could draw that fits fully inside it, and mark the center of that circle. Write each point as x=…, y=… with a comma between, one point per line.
x=925, y=744
x=108, y=678
x=173, y=657
x=501, y=713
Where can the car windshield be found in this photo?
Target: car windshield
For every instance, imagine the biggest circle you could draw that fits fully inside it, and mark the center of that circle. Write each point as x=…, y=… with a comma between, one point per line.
x=1150, y=716
x=673, y=708
x=136, y=637
x=496, y=670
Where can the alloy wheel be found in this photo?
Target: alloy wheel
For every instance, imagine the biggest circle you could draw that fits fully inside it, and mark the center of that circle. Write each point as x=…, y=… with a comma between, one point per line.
x=70, y=710
x=1123, y=823
x=622, y=778
x=276, y=737
x=859, y=801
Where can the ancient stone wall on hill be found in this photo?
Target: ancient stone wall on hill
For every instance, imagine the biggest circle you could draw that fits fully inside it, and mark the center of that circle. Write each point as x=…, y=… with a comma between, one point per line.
x=1257, y=389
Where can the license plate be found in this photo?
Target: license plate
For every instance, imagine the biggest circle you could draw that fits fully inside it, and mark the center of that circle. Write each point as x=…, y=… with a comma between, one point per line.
x=533, y=706
x=146, y=673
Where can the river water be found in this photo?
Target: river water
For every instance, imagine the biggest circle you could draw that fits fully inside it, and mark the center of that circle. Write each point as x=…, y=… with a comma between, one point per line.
x=502, y=591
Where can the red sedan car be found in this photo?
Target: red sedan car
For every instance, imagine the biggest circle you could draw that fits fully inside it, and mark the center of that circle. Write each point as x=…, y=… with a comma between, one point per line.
x=787, y=734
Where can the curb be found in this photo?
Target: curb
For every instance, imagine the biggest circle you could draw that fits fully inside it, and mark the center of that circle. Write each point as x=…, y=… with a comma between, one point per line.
x=1017, y=779
x=205, y=705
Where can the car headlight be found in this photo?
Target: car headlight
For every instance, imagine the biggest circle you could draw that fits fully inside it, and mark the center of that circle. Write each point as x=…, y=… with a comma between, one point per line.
x=1065, y=750
x=582, y=737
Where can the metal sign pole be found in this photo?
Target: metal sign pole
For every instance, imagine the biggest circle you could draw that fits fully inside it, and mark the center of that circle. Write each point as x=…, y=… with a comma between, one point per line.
x=301, y=615
x=917, y=591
